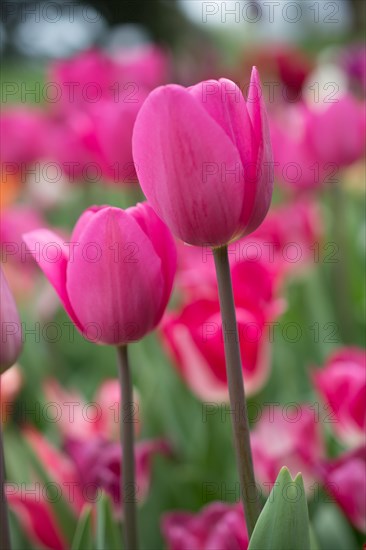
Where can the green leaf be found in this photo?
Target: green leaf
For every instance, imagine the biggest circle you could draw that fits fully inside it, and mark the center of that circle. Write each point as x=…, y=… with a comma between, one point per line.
x=83, y=539
x=284, y=522
x=108, y=532
x=331, y=528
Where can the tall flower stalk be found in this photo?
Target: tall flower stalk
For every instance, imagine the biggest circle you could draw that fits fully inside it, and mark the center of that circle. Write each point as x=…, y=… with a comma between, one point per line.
x=236, y=388
x=128, y=483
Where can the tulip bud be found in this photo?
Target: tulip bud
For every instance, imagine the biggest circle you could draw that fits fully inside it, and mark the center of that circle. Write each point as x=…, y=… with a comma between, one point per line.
x=115, y=275
x=204, y=161
x=11, y=335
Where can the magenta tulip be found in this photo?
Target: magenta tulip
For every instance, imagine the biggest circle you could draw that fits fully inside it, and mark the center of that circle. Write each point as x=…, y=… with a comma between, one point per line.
x=115, y=275
x=217, y=526
x=345, y=480
x=11, y=334
x=203, y=157
x=342, y=384
x=287, y=436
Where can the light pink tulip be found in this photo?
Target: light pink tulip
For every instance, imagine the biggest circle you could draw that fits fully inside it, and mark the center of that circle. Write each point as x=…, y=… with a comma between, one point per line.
x=218, y=526
x=11, y=333
x=26, y=133
x=286, y=436
x=291, y=238
x=342, y=385
x=115, y=278
x=345, y=479
x=105, y=410
x=10, y=385
x=203, y=158
x=311, y=145
x=145, y=66
x=110, y=141
x=336, y=134
x=82, y=79
x=193, y=334
x=16, y=220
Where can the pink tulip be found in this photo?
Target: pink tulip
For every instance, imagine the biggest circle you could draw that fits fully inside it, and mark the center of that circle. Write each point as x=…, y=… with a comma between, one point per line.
x=98, y=463
x=87, y=464
x=194, y=340
x=311, y=145
x=115, y=276
x=290, y=238
x=286, y=436
x=193, y=335
x=110, y=142
x=342, y=385
x=30, y=503
x=25, y=131
x=11, y=333
x=10, y=385
x=337, y=133
x=146, y=66
x=105, y=411
x=353, y=61
x=16, y=220
x=83, y=78
x=203, y=158
x=38, y=520
x=218, y=526
x=345, y=479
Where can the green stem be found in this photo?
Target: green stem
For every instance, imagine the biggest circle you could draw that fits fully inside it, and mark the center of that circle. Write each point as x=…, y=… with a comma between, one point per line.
x=4, y=532
x=236, y=389
x=128, y=485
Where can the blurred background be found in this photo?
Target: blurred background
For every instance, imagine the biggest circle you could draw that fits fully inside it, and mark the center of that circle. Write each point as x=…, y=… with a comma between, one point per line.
x=74, y=75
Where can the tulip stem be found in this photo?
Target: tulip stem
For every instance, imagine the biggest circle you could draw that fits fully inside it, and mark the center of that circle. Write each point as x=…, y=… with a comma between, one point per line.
x=128, y=485
x=239, y=414
x=4, y=533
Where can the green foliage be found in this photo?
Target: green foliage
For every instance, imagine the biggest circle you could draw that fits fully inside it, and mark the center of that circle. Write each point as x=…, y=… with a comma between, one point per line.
x=284, y=522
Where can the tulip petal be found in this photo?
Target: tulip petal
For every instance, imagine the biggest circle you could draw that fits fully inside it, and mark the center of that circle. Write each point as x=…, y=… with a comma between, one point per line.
x=54, y=267
x=188, y=167
x=224, y=102
x=163, y=243
x=111, y=262
x=11, y=334
x=253, y=215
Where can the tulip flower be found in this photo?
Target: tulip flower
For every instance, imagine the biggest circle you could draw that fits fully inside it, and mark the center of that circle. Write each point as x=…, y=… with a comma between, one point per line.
x=11, y=345
x=109, y=142
x=107, y=403
x=85, y=464
x=10, y=385
x=286, y=436
x=311, y=144
x=203, y=159
x=342, y=385
x=115, y=276
x=345, y=480
x=217, y=526
x=193, y=334
x=11, y=336
x=25, y=131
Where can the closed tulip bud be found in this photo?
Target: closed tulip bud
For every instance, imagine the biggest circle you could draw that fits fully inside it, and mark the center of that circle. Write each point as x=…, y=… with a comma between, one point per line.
x=11, y=334
x=115, y=275
x=204, y=160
